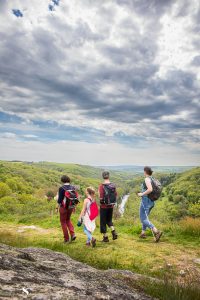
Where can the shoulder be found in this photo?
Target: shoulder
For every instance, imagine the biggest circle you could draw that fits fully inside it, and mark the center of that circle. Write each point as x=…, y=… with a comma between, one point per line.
x=86, y=200
x=147, y=180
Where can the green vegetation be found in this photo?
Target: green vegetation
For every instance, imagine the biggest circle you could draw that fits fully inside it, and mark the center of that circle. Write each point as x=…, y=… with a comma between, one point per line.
x=26, y=198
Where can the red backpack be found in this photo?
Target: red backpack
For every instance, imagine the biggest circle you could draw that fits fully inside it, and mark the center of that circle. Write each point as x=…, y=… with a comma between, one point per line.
x=94, y=210
x=71, y=199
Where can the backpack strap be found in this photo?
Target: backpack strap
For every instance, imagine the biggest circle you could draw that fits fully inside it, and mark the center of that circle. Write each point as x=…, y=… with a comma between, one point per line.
x=68, y=188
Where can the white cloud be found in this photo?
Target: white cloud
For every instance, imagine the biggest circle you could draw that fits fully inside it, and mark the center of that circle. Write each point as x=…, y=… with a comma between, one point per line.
x=30, y=136
x=96, y=154
x=8, y=135
x=176, y=48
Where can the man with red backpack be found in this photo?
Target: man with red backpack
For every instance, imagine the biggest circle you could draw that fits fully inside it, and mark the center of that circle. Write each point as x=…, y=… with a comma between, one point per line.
x=67, y=201
x=108, y=198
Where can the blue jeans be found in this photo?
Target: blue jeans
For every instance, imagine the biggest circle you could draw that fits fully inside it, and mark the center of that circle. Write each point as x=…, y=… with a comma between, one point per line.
x=88, y=233
x=145, y=209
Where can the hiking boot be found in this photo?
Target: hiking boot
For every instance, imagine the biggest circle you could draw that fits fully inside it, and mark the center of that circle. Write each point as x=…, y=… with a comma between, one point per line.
x=93, y=242
x=157, y=236
x=114, y=235
x=142, y=236
x=88, y=244
x=73, y=237
x=105, y=239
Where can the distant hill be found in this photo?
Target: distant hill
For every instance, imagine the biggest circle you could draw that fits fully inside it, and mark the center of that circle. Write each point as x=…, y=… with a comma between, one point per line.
x=139, y=169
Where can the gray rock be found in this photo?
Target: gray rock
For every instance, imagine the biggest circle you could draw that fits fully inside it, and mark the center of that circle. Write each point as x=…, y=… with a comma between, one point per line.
x=42, y=274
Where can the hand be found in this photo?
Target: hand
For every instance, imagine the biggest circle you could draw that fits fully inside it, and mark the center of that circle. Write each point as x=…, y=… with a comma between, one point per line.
x=79, y=222
x=140, y=194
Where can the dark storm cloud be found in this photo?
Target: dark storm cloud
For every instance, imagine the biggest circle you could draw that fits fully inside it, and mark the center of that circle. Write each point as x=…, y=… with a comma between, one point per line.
x=66, y=64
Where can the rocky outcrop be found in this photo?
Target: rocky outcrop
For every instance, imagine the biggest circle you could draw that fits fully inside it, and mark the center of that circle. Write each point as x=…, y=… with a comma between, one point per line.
x=43, y=274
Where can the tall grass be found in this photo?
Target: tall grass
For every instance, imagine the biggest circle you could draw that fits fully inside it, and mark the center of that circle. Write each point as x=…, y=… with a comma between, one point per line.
x=189, y=226
x=170, y=288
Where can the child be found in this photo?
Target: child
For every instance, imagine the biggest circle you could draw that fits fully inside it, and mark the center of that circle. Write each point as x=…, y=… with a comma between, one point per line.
x=89, y=226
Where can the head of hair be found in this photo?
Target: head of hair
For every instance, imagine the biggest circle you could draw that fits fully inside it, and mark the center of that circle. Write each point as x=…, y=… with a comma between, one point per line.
x=148, y=170
x=90, y=190
x=65, y=179
x=105, y=175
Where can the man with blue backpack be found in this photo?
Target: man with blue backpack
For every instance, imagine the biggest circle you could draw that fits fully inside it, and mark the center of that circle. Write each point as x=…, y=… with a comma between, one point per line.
x=108, y=199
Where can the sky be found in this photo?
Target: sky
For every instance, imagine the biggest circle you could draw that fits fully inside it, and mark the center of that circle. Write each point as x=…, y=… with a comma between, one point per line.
x=100, y=82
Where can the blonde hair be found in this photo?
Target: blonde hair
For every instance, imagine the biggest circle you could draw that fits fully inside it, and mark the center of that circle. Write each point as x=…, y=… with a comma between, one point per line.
x=90, y=190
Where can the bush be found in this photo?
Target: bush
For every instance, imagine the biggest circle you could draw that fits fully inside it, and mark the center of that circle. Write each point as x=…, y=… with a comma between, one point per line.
x=194, y=210
x=10, y=206
x=4, y=190
x=50, y=195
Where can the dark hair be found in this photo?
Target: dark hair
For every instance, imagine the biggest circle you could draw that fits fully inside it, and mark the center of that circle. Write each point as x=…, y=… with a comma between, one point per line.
x=65, y=179
x=105, y=175
x=148, y=170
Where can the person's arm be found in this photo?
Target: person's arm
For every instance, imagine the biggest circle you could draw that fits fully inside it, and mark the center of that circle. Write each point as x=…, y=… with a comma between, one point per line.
x=116, y=192
x=101, y=192
x=83, y=211
x=61, y=195
x=149, y=188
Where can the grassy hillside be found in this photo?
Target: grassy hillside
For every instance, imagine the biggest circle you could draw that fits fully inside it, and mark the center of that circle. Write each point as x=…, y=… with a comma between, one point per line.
x=24, y=187
x=184, y=194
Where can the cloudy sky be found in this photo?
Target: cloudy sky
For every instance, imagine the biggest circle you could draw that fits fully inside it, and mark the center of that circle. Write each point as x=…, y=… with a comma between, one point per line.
x=100, y=81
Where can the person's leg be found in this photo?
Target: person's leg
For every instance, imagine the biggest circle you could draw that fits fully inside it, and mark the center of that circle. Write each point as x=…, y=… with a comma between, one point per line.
x=88, y=234
x=146, y=208
x=109, y=217
x=69, y=224
x=109, y=222
x=63, y=222
x=103, y=228
x=142, y=218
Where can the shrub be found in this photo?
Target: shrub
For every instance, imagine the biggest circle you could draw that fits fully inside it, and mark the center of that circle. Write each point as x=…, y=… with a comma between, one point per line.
x=10, y=205
x=194, y=210
x=4, y=190
x=50, y=195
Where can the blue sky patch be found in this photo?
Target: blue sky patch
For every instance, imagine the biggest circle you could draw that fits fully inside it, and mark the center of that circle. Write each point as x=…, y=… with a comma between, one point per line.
x=17, y=13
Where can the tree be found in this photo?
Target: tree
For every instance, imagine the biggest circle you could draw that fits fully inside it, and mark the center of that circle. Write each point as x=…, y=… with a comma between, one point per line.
x=50, y=195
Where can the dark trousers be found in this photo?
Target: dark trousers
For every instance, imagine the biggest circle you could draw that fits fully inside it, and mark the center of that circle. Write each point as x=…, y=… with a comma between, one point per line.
x=106, y=215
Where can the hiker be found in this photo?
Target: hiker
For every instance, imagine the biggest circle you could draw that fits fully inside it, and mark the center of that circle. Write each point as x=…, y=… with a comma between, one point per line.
x=108, y=197
x=86, y=218
x=67, y=200
x=146, y=205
